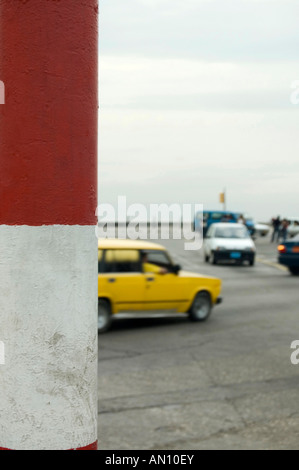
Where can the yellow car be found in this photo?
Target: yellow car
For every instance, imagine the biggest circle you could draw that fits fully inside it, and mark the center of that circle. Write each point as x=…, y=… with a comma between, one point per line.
x=139, y=276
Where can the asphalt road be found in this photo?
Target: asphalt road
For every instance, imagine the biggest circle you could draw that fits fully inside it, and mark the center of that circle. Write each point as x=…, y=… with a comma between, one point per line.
x=167, y=383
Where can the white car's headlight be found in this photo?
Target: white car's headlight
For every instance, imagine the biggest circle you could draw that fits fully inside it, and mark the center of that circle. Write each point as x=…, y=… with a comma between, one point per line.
x=219, y=248
x=249, y=248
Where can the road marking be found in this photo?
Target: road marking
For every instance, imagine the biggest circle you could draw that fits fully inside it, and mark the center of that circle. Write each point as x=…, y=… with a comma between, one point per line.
x=274, y=265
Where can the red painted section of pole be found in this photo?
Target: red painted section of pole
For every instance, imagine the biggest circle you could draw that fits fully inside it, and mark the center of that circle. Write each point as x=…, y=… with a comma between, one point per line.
x=93, y=446
x=48, y=142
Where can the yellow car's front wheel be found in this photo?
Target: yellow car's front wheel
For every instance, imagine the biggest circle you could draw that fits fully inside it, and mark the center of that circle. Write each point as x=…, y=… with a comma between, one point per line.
x=201, y=308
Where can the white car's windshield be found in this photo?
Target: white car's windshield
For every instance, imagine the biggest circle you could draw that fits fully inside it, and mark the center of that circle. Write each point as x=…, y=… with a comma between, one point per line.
x=231, y=232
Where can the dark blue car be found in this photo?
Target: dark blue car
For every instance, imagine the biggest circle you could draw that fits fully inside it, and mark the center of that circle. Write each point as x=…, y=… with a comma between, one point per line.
x=208, y=218
x=288, y=254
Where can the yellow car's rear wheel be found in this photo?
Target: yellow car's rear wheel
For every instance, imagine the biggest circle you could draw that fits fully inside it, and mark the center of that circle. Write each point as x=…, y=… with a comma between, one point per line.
x=104, y=316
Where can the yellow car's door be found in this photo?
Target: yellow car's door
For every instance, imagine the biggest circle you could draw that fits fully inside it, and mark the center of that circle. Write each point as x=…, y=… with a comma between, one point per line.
x=163, y=289
x=122, y=280
x=162, y=292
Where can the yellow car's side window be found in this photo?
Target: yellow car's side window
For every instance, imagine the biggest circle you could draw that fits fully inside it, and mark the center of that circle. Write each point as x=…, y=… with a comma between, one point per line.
x=157, y=261
x=100, y=261
x=150, y=268
x=122, y=261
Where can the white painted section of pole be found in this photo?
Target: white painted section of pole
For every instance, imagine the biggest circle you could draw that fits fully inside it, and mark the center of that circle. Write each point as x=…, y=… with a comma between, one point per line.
x=49, y=379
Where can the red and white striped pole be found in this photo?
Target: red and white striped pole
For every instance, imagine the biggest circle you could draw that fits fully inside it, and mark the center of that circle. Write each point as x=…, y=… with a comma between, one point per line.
x=48, y=247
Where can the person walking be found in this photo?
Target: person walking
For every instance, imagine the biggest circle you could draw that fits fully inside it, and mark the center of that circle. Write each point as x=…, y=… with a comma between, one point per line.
x=276, y=228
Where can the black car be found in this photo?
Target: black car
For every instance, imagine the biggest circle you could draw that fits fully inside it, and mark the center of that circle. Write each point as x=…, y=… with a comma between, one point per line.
x=288, y=254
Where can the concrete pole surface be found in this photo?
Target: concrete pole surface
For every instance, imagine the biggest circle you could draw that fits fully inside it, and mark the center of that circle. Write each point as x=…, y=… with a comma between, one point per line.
x=48, y=247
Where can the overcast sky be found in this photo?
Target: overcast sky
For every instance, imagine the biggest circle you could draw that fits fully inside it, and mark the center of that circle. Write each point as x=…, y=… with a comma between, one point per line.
x=195, y=97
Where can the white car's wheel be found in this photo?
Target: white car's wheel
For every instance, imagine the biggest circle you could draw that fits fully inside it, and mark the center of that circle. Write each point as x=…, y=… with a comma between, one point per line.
x=213, y=258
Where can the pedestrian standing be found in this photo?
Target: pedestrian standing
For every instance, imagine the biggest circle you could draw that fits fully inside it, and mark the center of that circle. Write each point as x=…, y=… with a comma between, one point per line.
x=276, y=228
x=284, y=230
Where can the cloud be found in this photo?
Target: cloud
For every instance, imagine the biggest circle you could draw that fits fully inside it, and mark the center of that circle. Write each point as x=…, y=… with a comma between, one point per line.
x=180, y=84
x=206, y=30
x=195, y=96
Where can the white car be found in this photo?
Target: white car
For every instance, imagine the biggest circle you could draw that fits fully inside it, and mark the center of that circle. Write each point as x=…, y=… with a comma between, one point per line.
x=261, y=229
x=256, y=229
x=293, y=228
x=229, y=242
